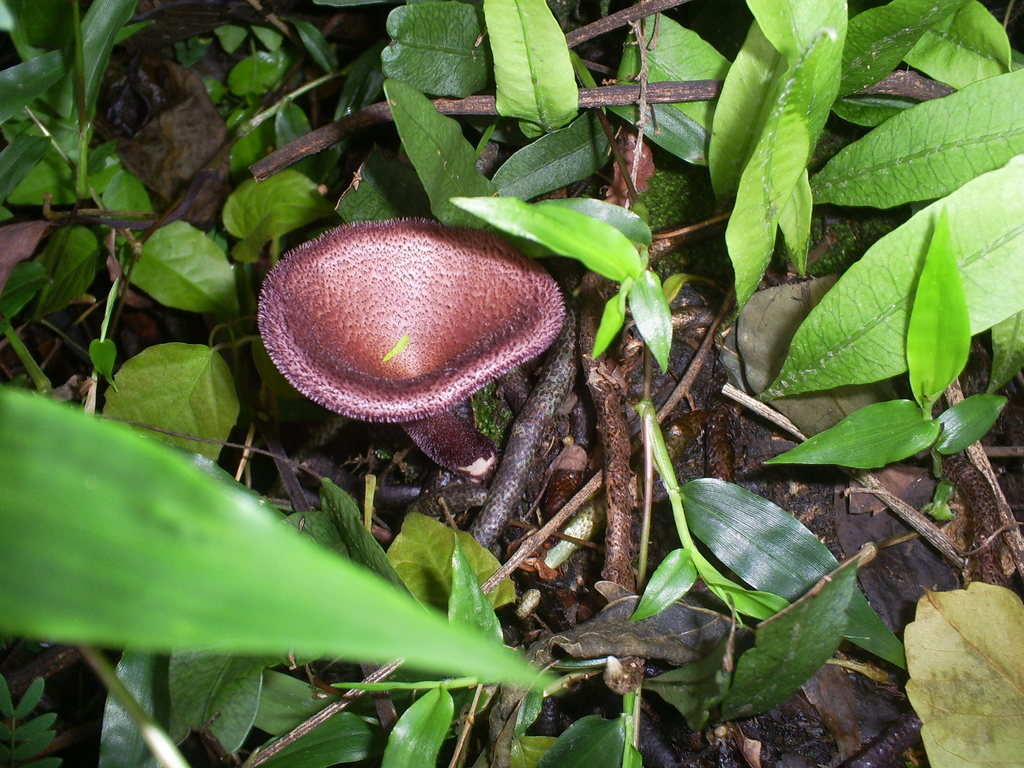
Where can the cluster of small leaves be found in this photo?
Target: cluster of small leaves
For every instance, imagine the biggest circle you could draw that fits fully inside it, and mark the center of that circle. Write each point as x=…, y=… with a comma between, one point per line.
x=22, y=737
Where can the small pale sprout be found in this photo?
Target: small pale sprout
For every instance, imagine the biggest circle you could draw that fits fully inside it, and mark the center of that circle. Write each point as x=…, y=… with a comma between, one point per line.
x=397, y=349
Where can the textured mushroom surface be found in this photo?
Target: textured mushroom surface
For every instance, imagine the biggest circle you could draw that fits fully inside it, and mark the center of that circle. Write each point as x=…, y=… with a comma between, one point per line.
x=471, y=306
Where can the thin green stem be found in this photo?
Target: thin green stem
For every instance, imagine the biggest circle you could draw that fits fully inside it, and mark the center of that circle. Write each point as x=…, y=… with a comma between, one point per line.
x=256, y=120
x=159, y=743
x=82, y=167
x=39, y=379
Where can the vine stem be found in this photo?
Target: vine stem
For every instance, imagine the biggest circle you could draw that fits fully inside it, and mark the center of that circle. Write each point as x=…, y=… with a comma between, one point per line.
x=156, y=738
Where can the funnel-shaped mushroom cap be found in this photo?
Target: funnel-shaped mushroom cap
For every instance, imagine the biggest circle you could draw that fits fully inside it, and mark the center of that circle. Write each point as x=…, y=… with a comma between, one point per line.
x=470, y=305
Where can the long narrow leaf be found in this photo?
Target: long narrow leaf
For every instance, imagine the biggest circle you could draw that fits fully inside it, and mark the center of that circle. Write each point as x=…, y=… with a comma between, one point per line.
x=112, y=539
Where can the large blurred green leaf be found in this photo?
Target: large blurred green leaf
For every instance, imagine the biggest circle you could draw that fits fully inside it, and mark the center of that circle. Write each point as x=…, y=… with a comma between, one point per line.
x=857, y=334
x=182, y=268
x=532, y=70
x=791, y=646
x=879, y=37
x=437, y=48
x=962, y=48
x=929, y=150
x=444, y=160
x=772, y=551
x=114, y=540
x=185, y=388
x=967, y=676
x=260, y=211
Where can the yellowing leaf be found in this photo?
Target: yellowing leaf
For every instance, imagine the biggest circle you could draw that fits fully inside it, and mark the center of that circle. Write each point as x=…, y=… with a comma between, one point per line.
x=967, y=676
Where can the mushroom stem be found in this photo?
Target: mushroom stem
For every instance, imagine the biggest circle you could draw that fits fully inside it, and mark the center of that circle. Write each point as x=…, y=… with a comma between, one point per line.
x=451, y=439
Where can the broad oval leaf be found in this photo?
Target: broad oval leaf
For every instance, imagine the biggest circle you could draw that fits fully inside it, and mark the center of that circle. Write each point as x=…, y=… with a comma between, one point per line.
x=599, y=246
x=1007, y=350
x=967, y=675
x=968, y=421
x=555, y=160
x=771, y=550
x=260, y=211
x=532, y=71
x=879, y=37
x=444, y=160
x=437, y=48
x=873, y=436
x=791, y=646
x=962, y=48
x=857, y=334
x=671, y=580
x=590, y=742
x=417, y=736
x=113, y=540
x=939, y=331
x=184, y=388
x=929, y=150
x=467, y=602
x=182, y=268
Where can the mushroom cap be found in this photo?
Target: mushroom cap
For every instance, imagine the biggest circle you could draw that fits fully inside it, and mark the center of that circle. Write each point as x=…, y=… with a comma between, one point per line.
x=471, y=305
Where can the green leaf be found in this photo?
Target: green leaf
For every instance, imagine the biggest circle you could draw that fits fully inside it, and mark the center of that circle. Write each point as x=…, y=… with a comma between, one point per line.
x=23, y=83
x=29, y=700
x=417, y=736
x=612, y=320
x=103, y=354
x=437, y=48
x=791, y=646
x=939, y=331
x=1007, y=350
x=182, y=268
x=772, y=551
x=152, y=554
x=857, y=333
x=215, y=691
x=344, y=738
x=623, y=219
x=962, y=48
x=676, y=53
x=318, y=48
x=590, y=742
x=24, y=282
x=967, y=422
x=652, y=315
x=967, y=677
x=185, y=388
x=671, y=580
x=258, y=73
x=422, y=556
x=444, y=160
x=779, y=159
x=362, y=547
x=100, y=28
x=880, y=37
x=532, y=70
x=18, y=158
x=6, y=703
x=929, y=150
x=467, y=603
x=527, y=751
x=71, y=258
x=258, y=212
x=286, y=701
x=555, y=160
x=697, y=688
x=121, y=741
x=599, y=246
x=126, y=193
x=873, y=436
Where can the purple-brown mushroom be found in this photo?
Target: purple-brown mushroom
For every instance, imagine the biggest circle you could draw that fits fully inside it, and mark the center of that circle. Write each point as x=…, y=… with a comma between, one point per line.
x=402, y=320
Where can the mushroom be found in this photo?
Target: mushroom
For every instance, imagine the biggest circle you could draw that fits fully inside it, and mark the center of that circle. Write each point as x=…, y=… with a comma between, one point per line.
x=402, y=320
